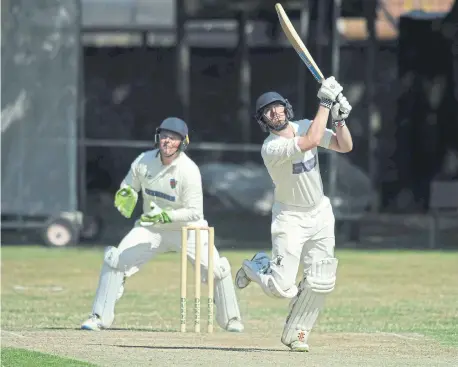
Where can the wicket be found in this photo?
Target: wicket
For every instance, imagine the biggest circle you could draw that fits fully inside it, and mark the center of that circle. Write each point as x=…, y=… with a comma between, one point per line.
x=197, y=277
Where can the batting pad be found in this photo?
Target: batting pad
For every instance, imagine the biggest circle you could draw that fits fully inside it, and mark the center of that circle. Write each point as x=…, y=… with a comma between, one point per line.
x=109, y=285
x=302, y=316
x=321, y=277
x=227, y=307
x=319, y=281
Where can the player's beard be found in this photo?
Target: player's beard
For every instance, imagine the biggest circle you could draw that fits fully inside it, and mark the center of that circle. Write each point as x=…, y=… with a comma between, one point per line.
x=278, y=123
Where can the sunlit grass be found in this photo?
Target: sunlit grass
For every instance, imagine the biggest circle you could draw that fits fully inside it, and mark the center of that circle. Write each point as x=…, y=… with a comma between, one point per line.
x=387, y=291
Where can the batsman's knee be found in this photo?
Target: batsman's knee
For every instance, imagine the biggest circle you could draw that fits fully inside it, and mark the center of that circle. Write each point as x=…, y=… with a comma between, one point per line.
x=284, y=276
x=284, y=282
x=321, y=276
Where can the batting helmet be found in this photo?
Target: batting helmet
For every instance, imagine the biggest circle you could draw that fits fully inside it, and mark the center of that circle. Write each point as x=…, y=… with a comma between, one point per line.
x=267, y=99
x=176, y=125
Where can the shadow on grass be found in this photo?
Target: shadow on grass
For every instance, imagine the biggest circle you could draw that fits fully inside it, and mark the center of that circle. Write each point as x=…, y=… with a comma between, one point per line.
x=226, y=349
x=149, y=330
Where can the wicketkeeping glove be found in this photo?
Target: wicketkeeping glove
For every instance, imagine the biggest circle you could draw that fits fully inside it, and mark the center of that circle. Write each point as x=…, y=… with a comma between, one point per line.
x=156, y=215
x=125, y=201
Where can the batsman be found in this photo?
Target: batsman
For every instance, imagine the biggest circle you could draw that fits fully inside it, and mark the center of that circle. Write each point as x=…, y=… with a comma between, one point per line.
x=171, y=187
x=302, y=227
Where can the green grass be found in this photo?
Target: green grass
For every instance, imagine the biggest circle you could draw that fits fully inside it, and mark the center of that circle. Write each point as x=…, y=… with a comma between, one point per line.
x=16, y=357
x=385, y=291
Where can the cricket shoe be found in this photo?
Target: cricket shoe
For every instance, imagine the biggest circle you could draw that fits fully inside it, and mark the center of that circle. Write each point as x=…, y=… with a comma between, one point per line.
x=241, y=278
x=298, y=346
x=234, y=326
x=93, y=323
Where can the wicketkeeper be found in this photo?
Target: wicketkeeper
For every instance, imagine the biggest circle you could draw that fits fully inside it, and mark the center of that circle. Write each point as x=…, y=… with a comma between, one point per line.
x=171, y=186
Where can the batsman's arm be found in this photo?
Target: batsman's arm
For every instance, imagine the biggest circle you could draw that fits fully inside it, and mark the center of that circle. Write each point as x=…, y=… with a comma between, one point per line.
x=282, y=150
x=341, y=141
x=314, y=135
x=328, y=93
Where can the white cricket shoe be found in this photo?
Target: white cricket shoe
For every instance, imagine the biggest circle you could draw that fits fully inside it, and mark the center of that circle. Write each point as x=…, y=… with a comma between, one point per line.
x=297, y=346
x=93, y=323
x=241, y=279
x=234, y=326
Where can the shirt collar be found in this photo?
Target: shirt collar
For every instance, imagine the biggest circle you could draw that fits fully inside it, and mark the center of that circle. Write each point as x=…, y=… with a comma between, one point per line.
x=173, y=164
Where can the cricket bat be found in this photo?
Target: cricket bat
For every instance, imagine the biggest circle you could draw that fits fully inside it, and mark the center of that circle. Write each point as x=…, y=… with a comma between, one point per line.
x=297, y=43
x=299, y=46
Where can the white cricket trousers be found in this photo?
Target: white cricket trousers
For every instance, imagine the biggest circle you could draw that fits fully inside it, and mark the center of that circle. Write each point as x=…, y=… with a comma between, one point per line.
x=142, y=244
x=300, y=233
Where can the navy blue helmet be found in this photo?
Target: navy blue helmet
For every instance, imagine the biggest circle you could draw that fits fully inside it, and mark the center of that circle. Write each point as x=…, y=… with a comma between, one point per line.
x=176, y=125
x=264, y=101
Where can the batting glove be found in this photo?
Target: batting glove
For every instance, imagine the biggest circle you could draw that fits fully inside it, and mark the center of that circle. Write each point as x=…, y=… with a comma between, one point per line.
x=329, y=91
x=340, y=111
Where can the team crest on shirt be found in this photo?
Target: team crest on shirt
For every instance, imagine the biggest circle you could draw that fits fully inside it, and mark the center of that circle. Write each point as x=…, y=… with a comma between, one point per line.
x=173, y=183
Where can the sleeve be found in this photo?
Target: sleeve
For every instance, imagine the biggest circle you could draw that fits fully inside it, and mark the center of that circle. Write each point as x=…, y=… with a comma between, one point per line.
x=281, y=150
x=192, y=198
x=132, y=178
x=326, y=139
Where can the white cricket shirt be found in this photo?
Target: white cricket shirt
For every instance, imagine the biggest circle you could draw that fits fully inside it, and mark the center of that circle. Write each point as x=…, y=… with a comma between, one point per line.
x=295, y=174
x=176, y=188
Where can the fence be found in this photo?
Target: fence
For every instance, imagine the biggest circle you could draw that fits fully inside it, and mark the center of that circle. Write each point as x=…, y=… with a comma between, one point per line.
x=40, y=92
x=130, y=85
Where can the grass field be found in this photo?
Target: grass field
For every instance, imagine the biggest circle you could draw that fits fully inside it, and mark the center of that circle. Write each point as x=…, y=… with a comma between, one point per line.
x=17, y=357
x=393, y=296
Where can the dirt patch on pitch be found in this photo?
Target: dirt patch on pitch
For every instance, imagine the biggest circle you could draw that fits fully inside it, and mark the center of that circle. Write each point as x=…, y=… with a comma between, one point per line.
x=141, y=348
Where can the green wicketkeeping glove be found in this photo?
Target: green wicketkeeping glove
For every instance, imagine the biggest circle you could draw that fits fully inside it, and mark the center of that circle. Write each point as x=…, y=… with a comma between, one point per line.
x=125, y=201
x=156, y=215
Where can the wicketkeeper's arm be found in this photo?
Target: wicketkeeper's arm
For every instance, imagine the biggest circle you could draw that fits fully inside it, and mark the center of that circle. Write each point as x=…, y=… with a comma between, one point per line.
x=126, y=197
x=132, y=178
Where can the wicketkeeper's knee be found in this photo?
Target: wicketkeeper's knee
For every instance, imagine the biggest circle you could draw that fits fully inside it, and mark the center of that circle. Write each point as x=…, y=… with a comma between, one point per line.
x=221, y=270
